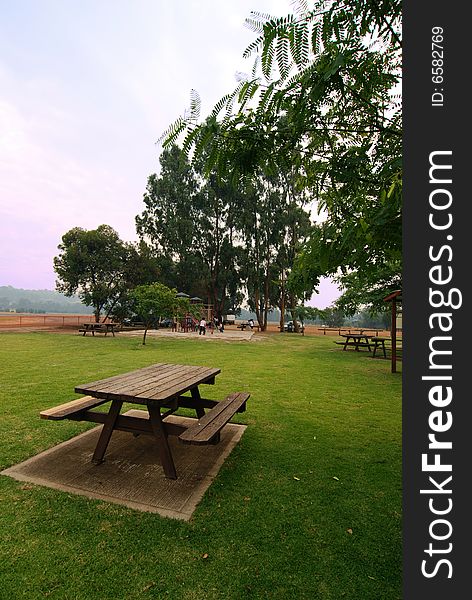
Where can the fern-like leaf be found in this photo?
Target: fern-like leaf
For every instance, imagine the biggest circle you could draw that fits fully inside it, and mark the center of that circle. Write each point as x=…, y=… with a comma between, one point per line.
x=172, y=132
x=254, y=47
x=219, y=105
x=255, y=66
x=300, y=7
x=282, y=53
x=247, y=92
x=195, y=105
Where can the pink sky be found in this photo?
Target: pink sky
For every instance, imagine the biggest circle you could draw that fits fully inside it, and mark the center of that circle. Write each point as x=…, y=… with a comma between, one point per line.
x=85, y=91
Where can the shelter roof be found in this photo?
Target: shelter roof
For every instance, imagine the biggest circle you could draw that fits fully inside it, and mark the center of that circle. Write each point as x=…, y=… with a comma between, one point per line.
x=396, y=295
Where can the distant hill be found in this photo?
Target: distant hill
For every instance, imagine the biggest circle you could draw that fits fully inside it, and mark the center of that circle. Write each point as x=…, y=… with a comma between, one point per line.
x=50, y=301
x=40, y=301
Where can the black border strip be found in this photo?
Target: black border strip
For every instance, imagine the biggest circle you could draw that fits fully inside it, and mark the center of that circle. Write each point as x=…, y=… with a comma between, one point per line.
x=436, y=124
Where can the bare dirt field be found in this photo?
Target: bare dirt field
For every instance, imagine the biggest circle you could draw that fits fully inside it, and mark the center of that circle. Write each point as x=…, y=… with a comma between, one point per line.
x=69, y=322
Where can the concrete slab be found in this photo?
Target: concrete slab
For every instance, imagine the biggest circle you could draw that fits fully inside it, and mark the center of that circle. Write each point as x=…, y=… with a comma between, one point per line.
x=227, y=335
x=131, y=474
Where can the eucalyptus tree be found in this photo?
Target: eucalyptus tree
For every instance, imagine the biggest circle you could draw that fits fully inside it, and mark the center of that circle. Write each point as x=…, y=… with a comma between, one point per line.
x=169, y=224
x=216, y=245
x=188, y=222
x=260, y=228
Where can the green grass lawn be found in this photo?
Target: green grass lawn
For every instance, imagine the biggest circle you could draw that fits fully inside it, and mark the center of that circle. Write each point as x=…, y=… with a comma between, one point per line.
x=308, y=505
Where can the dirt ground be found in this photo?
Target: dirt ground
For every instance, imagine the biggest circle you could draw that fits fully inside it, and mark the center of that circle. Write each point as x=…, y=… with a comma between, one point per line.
x=67, y=323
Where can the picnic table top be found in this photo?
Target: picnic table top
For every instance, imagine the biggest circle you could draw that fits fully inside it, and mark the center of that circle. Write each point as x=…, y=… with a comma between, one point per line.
x=157, y=383
x=95, y=324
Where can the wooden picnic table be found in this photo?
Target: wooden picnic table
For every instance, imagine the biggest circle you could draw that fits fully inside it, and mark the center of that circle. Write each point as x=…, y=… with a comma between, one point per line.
x=94, y=328
x=244, y=326
x=359, y=330
x=357, y=340
x=158, y=387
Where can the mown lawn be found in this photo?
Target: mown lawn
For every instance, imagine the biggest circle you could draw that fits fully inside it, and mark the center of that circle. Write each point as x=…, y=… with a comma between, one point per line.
x=308, y=505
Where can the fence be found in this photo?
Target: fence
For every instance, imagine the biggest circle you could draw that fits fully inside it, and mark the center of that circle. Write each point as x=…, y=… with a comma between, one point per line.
x=54, y=321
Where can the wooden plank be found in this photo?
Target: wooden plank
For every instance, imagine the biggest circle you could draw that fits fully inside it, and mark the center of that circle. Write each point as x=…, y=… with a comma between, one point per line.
x=107, y=431
x=132, y=383
x=153, y=392
x=157, y=383
x=184, y=385
x=152, y=385
x=117, y=380
x=164, y=387
x=93, y=384
x=63, y=411
x=163, y=447
x=133, y=421
x=186, y=402
x=214, y=420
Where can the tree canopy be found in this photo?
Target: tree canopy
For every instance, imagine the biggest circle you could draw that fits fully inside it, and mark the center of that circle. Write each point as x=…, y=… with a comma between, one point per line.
x=321, y=103
x=223, y=241
x=101, y=268
x=152, y=302
x=91, y=264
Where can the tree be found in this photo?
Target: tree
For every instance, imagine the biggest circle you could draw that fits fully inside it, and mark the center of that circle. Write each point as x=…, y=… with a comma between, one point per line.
x=332, y=73
x=332, y=316
x=216, y=204
x=153, y=302
x=169, y=222
x=188, y=223
x=92, y=264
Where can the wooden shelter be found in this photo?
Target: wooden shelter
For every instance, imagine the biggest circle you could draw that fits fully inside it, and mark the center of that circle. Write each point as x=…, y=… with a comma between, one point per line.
x=395, y=298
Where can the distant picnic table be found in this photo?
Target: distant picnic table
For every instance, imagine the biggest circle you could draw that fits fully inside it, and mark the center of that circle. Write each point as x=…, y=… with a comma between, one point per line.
x=358, y=330
x=94, y=328
x=244, y=326
x=357, y=340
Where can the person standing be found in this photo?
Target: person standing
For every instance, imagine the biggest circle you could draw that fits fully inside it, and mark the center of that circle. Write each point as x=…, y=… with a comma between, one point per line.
x=202, y=330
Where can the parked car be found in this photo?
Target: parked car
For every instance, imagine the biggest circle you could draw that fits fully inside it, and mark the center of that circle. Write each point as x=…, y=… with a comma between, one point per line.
x=166, y=323
x=289, y=327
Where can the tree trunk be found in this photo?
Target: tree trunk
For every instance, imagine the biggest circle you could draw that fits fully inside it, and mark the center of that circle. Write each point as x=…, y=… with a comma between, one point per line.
x=293, y=305
x=257, y=309
x=282, y=303
x=144, y=336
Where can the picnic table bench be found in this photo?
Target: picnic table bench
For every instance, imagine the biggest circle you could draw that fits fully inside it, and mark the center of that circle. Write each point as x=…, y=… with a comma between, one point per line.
x=94, y=328
x=158, y=387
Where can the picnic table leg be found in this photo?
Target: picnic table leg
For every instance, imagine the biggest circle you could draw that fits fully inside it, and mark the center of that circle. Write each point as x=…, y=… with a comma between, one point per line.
x=159, y=431
x=368, y=343
x=107, y=430
x=196, y=398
